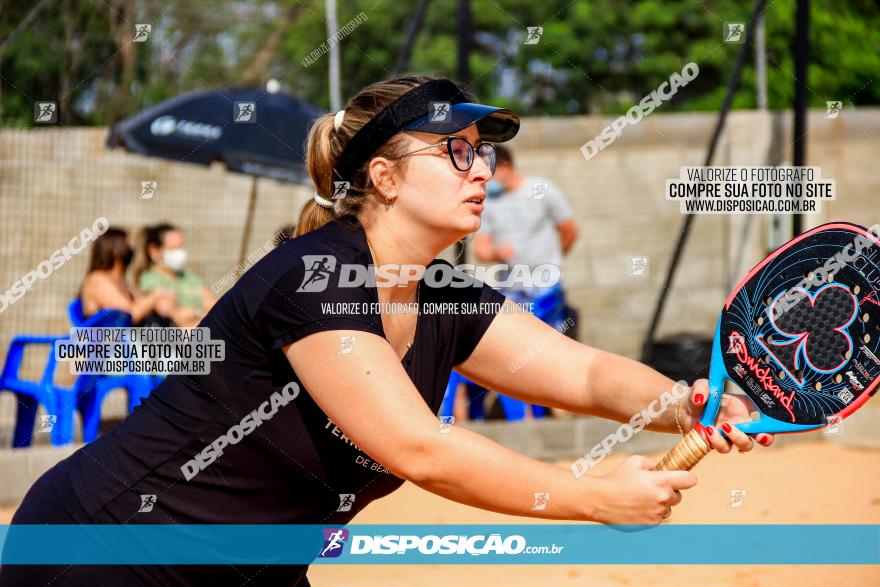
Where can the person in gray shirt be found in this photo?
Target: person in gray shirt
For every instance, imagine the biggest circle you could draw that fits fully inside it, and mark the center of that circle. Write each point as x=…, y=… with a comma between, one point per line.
x=527, y=221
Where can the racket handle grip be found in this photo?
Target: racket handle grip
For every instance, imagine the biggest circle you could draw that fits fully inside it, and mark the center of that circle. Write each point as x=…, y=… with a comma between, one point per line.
x=686, y=454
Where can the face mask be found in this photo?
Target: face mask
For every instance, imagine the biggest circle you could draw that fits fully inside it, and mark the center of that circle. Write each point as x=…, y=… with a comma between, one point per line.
x=175, y=259
x=494, y=188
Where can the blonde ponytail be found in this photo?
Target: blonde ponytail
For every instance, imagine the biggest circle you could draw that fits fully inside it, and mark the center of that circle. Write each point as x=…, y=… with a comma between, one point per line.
x=327, y=139
x=313, y=216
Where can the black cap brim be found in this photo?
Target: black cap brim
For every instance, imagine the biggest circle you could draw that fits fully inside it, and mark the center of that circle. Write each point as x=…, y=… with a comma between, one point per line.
x=495, y=125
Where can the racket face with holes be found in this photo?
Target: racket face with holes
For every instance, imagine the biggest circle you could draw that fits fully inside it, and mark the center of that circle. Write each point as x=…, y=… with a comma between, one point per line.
x=800, y=335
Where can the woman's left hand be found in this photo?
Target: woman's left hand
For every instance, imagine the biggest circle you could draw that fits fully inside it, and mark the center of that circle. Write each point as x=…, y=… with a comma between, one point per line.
x=734, y=409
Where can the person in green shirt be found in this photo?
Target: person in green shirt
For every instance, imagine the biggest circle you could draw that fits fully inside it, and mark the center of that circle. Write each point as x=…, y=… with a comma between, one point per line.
x=105, y=288
x=166, y=269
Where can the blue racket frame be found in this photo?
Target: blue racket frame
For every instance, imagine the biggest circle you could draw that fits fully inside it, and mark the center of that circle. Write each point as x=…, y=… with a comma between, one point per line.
x=717, y=376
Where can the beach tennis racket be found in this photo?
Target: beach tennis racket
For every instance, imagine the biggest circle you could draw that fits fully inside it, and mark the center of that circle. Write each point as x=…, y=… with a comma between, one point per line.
x=800, y=336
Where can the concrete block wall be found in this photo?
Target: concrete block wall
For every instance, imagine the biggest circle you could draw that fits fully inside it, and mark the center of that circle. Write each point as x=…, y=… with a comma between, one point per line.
x=618, y=202
x=55, y=182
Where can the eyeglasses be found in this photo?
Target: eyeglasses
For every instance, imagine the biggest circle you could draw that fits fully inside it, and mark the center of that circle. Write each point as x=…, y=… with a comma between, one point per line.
x=461, y=153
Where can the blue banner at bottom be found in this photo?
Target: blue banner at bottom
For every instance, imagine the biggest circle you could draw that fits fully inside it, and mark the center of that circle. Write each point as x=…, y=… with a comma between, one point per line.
x=543, y=544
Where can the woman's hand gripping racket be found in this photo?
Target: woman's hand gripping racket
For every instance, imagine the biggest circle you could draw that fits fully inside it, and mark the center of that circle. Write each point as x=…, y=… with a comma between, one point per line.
x=800, y=336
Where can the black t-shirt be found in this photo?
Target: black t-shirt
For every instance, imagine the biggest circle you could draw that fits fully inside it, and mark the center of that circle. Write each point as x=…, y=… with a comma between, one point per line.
x=293, y=467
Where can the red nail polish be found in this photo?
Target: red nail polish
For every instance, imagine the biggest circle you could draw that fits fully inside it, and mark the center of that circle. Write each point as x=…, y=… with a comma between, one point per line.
x=726, y=427
x=763, y=439
x=698, y=399
x=710, y=431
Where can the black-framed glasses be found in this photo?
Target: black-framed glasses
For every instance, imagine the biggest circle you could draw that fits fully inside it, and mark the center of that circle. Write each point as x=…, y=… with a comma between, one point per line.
x=461, y=153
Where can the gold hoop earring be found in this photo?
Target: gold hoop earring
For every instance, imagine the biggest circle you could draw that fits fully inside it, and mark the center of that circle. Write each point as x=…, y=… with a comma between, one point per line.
x=389, y=199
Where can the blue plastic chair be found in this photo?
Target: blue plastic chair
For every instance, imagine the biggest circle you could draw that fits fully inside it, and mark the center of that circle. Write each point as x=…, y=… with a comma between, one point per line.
x=90, y=390
x=475, y=402
x=549, y=307
x=513, y=409
x=58, y=401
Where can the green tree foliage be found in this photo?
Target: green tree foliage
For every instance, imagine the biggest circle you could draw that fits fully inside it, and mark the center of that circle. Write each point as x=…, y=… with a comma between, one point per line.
x=592, y=56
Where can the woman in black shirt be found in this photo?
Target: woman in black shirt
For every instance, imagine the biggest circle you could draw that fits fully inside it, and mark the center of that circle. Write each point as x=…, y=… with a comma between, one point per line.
x=328, y=397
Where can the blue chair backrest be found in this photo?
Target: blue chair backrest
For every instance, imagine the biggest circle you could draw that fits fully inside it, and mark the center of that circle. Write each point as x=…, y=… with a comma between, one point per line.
x=550, y=306
x=102, y=318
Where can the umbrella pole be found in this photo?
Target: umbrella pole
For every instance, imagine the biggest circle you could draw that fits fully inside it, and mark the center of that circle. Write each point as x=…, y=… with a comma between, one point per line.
x=332, y=29
x=246, y=236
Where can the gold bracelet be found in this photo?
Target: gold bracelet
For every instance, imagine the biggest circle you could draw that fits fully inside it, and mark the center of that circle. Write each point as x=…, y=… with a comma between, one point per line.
x=675, y=415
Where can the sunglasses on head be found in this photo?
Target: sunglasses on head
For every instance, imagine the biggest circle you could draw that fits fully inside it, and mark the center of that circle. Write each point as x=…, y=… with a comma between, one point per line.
x=461, y=152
